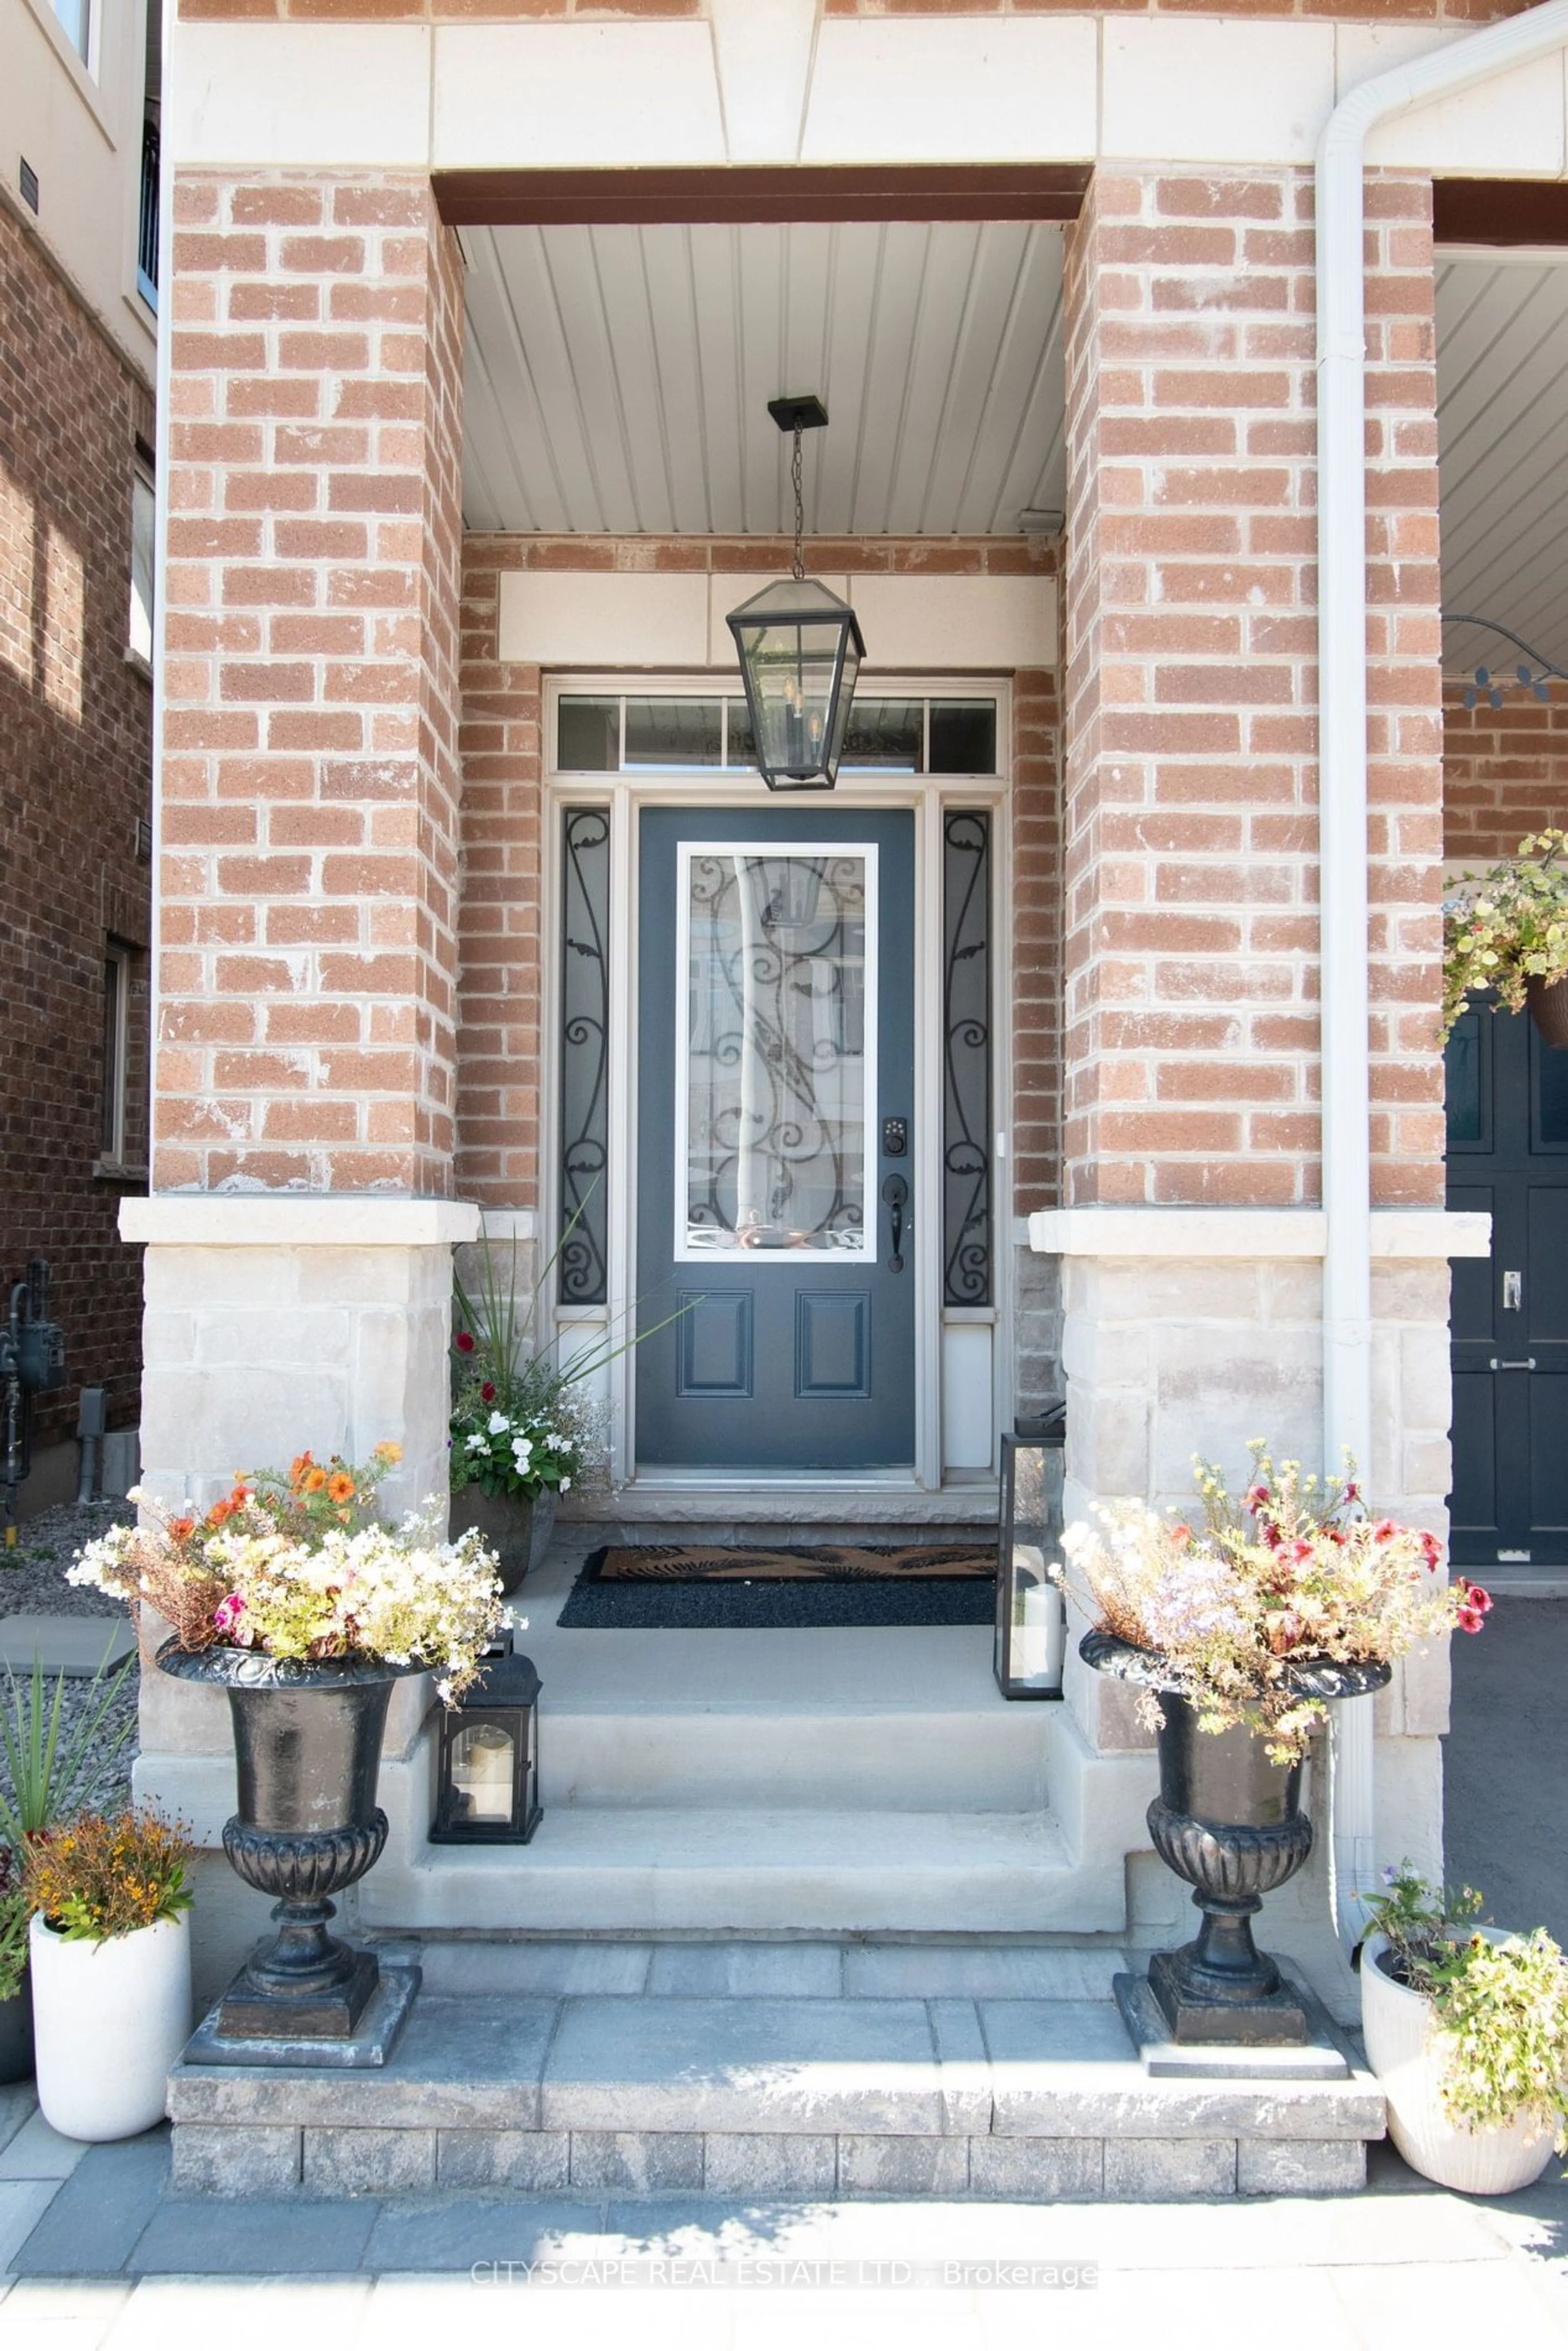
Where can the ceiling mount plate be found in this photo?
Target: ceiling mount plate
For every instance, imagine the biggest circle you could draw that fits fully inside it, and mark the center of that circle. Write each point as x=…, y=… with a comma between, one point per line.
x=802, y=415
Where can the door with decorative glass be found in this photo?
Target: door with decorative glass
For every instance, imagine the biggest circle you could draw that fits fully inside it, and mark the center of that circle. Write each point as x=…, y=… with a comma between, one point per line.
x=775, y=1119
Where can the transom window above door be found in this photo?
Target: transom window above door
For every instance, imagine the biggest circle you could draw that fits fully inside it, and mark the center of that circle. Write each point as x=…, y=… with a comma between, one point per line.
x=652, y=734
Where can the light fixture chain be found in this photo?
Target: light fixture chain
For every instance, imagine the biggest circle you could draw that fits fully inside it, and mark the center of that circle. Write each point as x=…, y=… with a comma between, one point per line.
x=799, y=507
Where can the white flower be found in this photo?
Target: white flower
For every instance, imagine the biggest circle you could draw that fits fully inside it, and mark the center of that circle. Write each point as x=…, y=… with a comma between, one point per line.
x=522, y=1452
x=499, y=1423
x=478, y=1444
x=566, y=1485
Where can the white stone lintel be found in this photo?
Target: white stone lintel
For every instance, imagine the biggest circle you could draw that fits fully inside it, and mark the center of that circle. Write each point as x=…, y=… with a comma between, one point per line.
x=295, y=1220
x=1251, y=1233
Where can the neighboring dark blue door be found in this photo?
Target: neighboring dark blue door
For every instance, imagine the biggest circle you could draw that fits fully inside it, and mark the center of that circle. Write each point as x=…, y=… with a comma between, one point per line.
x=776, y=1145
x=1507, y=1153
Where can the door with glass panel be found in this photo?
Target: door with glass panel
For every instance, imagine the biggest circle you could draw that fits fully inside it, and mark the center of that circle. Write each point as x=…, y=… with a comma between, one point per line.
x=775, y=1155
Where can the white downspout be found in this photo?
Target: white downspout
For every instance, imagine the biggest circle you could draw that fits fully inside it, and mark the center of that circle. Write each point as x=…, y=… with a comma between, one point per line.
x=1343, y=852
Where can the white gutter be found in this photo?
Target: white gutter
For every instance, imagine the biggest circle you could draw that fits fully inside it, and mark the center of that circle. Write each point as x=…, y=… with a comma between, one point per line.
x=1342, y=852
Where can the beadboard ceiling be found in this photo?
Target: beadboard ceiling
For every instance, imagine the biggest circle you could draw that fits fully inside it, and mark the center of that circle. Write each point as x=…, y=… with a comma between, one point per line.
x=1502, y=435
x=617, y=379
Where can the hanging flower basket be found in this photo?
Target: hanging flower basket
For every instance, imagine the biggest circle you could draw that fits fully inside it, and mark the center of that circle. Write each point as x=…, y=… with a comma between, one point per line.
x=1505, y=932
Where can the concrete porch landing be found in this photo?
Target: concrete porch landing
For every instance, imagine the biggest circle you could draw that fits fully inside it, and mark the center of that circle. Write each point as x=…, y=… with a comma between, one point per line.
x=770, y=2069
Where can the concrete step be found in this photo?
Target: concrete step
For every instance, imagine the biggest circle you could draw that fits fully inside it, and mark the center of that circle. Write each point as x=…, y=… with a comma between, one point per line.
x=781, y=1755
x=643, y=2094
x=642, y=1868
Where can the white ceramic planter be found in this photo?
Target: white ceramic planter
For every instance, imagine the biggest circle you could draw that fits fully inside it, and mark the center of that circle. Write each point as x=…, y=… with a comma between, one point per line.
x=109, y=2021
x=1405, y=2050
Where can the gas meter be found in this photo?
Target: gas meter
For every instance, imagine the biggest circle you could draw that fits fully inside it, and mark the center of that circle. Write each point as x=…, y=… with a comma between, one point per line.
x=31, y=1363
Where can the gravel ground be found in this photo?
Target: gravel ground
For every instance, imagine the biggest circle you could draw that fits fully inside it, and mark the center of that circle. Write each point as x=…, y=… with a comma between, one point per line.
x=33, y=1576
x=33, y=1583
x=103, y=1777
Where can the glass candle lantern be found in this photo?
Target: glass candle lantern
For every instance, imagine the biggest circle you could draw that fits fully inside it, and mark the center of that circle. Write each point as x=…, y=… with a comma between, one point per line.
x=487, y=1770
x=1031, y=1624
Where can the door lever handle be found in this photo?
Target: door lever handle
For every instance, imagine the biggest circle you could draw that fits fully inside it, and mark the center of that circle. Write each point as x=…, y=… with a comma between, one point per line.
x=895, y=1191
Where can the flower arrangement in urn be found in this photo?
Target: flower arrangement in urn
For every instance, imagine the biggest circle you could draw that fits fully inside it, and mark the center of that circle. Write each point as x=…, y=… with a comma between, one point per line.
x=293, y=1597
x=293, y=1564
x=1466, y=2028
x=1237, y=1634
x=1507, y=930
x=1241, y=1610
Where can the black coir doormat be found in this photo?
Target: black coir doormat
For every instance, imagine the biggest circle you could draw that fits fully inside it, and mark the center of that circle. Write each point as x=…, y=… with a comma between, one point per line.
x=680, y=1587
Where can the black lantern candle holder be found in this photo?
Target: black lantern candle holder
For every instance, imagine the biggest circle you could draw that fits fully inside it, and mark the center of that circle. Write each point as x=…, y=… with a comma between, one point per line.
x=1031, y=1621
x=487, y=1769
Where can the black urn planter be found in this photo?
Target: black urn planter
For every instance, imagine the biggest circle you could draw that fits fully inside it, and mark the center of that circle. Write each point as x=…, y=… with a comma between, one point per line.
x=17, y=2033
x=1229, y=1822
x=307, y=1741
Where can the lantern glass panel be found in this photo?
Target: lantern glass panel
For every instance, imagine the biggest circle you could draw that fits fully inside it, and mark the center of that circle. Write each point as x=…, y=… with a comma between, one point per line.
x=800, y=651
x=482, y=1758
x=1031, y=1616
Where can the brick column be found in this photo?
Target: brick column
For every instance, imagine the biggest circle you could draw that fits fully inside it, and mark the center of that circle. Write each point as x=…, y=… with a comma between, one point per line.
x=308, y=786
x=1191, y=1027
x=307, y=830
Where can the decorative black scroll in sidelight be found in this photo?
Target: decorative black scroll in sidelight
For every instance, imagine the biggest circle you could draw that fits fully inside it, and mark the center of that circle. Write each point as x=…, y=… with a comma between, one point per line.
x=967, y=1205
x=583, y=1268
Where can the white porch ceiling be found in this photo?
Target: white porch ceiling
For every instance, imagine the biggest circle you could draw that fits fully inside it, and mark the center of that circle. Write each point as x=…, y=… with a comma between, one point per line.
x=616, y=379
x=1502, y=434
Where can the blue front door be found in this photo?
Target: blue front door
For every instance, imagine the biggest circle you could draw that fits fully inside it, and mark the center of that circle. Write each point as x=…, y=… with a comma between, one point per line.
x=776, y=1144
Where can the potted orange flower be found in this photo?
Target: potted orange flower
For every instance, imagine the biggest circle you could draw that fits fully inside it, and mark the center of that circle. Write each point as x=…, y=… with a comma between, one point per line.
x=110, y=1951
x=293, y=1597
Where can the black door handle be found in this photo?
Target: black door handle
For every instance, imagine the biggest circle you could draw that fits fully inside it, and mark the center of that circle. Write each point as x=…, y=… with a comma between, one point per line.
x=895, y=1191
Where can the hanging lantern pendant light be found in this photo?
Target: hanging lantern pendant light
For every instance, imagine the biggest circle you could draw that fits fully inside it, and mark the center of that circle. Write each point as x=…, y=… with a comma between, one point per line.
x=800, y=650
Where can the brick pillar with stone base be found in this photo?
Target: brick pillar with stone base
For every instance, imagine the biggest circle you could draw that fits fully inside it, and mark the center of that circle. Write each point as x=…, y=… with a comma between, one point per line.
x=299, y=1233
x=1190, y=1237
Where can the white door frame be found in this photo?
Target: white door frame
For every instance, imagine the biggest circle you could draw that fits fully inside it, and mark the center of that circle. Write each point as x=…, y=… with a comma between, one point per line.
x=624, y=796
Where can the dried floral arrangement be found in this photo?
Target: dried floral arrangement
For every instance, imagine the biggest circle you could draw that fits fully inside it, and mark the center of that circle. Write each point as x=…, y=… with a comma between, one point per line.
x=1297, y=1573
x=296, y=1565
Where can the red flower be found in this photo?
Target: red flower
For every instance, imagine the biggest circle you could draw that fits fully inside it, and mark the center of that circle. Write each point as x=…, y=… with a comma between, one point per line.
x=1385, y=1530
x=1476, y=1596
x=1256, y=1497
x=1181, y=1534
x=1470, y=1620
x=465, y=1342
x=489, y=1391
x=1431, y=1550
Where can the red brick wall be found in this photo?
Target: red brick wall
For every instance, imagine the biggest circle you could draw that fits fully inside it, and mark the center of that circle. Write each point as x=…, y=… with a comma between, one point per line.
x=1505, y=772
x=1191, y=1014
x=498, y=989
x=74, y=781
x=309, y=785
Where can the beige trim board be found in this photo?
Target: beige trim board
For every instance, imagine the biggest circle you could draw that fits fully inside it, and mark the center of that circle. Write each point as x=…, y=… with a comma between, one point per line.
x=295, y=1220
x=1400, y=1234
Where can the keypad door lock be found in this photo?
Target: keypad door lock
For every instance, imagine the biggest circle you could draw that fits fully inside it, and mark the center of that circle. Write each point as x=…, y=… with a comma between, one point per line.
x=894, y=1137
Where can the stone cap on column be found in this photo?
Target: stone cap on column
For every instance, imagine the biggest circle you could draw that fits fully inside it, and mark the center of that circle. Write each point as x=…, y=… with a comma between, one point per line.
x=287, y=1220
x=1402, y=1233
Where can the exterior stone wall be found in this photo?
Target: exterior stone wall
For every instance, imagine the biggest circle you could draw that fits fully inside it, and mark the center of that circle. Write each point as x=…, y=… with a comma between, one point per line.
x=1191, y=1008
x=309, y=785
x=75, y=783
x=1505, y=772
